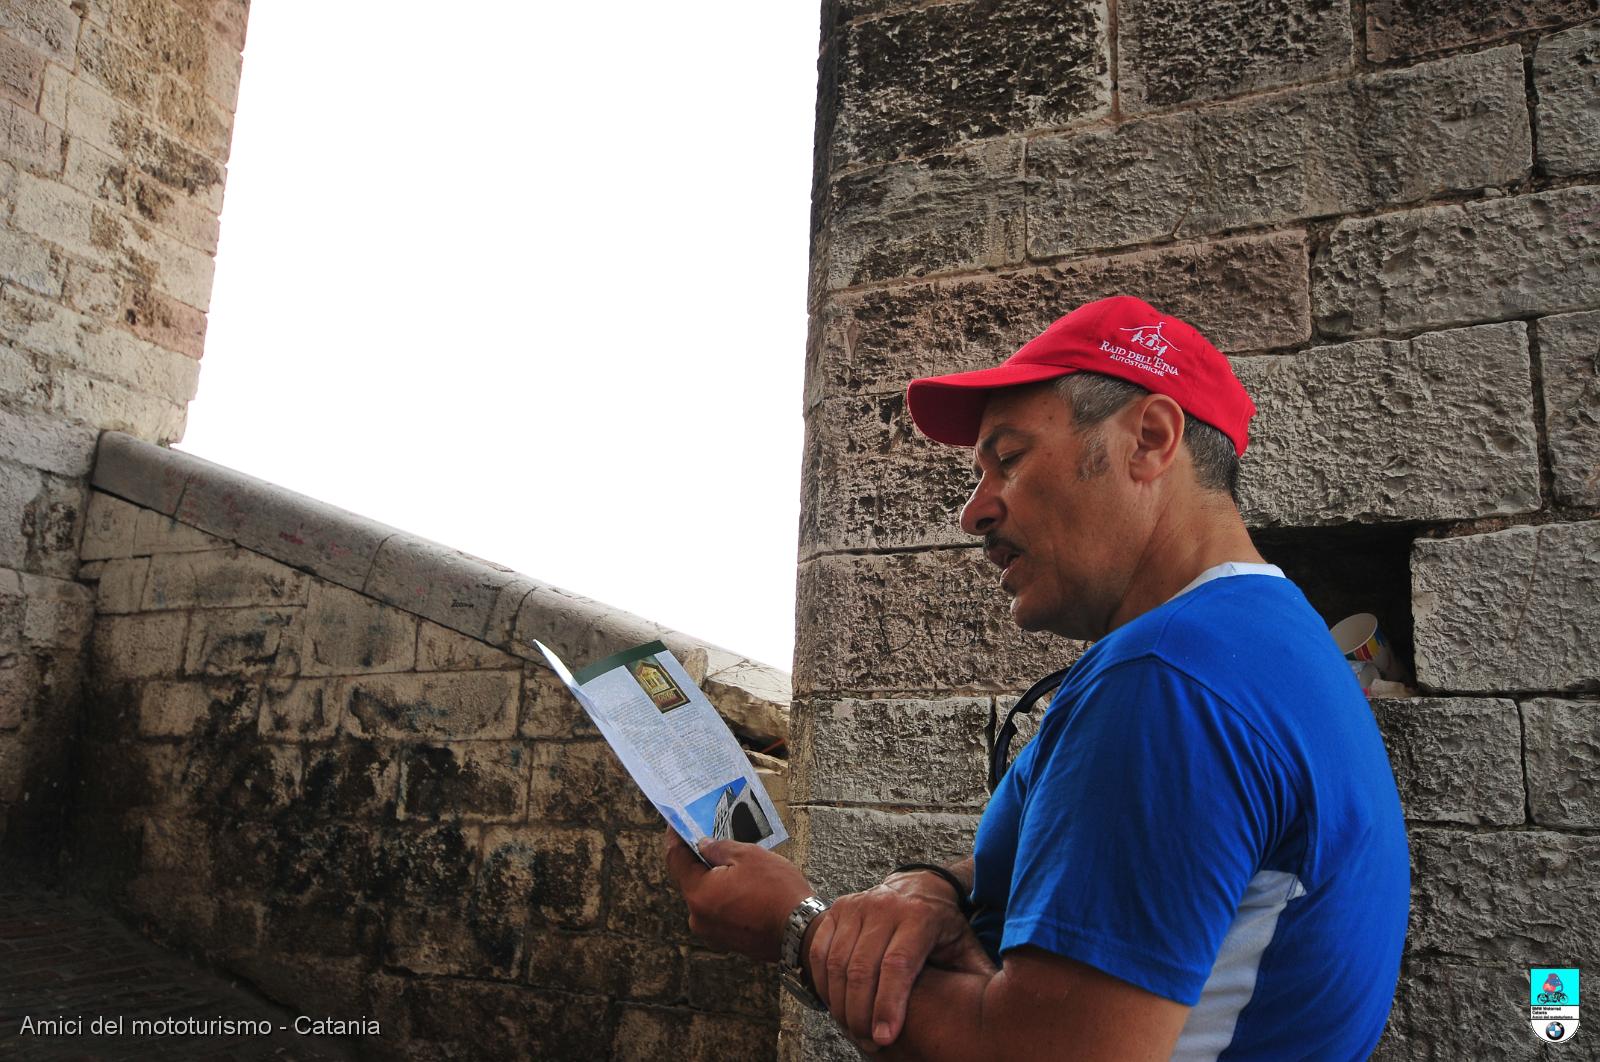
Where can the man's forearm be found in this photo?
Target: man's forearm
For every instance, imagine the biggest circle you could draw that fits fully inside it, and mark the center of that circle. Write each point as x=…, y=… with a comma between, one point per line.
x=944, y=1019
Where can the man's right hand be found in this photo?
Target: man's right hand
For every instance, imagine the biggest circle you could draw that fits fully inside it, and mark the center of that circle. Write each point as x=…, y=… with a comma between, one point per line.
x=869, y=948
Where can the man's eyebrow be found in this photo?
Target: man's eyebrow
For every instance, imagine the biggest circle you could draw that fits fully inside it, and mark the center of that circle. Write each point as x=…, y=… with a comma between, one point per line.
x=989, y=443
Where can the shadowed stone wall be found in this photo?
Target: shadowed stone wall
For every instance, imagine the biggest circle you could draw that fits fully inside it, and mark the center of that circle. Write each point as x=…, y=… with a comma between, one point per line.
x=115, y=118
x=1389, y=213
x=324, y=755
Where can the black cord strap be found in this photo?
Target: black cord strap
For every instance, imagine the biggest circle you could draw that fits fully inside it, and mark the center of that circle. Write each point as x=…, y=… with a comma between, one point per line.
x=963, y=899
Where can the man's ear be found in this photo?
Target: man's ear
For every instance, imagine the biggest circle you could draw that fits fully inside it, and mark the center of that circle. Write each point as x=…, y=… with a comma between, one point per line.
x=1157, y=423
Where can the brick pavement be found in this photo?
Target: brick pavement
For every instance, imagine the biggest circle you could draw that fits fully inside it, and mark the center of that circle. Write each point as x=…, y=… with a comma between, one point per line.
x=62, y=958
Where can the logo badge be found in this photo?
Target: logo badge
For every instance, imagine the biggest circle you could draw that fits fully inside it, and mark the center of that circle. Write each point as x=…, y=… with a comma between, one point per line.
x=1553, y=1003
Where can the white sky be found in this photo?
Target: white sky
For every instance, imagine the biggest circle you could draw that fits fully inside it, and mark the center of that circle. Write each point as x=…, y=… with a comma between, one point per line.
x=529, y=280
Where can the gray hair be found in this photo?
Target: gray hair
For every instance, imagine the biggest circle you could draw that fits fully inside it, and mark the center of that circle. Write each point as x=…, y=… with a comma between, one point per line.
x=1093, y=397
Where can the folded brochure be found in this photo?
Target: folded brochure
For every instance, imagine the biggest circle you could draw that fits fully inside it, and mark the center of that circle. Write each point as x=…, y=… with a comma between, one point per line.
x=675, y=745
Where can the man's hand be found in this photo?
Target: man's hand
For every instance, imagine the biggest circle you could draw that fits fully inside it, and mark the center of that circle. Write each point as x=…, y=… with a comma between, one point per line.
x=869, y=948
x=742, y=901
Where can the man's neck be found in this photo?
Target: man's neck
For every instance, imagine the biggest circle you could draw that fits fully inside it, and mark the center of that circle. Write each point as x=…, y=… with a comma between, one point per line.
x=1183, y=545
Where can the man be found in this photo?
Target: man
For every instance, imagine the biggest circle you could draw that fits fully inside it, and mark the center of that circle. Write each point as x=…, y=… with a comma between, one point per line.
x=1201, y=853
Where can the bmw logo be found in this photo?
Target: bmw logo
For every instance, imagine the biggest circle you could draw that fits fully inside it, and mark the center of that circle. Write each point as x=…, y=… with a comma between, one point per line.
x=1555, y=1030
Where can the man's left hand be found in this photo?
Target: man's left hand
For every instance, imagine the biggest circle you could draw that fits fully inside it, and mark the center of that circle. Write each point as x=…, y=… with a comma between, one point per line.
x=742, y=901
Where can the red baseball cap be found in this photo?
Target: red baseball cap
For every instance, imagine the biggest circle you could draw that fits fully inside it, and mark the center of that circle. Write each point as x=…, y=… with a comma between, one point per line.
x=1121, y=336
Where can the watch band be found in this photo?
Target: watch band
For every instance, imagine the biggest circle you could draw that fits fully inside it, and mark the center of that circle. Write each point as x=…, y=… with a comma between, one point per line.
x=791, y=969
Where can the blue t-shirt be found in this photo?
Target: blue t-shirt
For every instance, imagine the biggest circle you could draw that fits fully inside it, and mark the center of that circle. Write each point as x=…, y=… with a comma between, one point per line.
x=1207, y=812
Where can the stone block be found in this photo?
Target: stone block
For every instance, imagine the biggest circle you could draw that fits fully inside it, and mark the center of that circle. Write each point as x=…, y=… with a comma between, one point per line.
x=27, y=140
x=211, y=709
x=458, y=1018
x=143, y=474
x=919, y=752
x=197, y=120
x=582, y=630
x=91, y=290
x=108, y=529
x=59, y=613
x=550, y=871
x=297, y=709
x=659, y=1032
x=732, y=984
x=1334, y=148
x=173, y=163
x=442, y=649
x=116, y=68
x=21, y=73
x=454, y=705
x=640, y=898
x=851, y=849
x=478, y=780
x=1455, y=759
x=175, y=844
x=976, y=71
x=155, y=533
x=1568, y=85
x=118, y=584
x=1563, y=759
x=547, y=709
x=1569, y=360
x=348, y=634
x=20, y=489
x=445, y=585
x=146, y=312
x=872, y=481
x=1448, y=265
x=31, y=263
x=942, y=214
x=1170, y=52
x=424, y=865
x=1403, y=29
x=1485, y=898
x=1247, y=293
x=581, y=782
x=448, y=941
x=222, y=579
x=1508, y=610
x=354, y=780
x=141, y=646
x=1446, y=1012
x=46, y=25
x=45, y=443
x=101, y=403
x=1439, y=427
x=248, y=641
x=913, y=622
x=604, y=964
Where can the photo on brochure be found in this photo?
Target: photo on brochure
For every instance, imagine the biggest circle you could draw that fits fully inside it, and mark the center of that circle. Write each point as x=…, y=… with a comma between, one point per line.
x=731, y=812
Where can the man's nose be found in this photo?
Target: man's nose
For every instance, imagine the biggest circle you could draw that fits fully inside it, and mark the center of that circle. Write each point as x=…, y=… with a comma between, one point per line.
x=981, y=512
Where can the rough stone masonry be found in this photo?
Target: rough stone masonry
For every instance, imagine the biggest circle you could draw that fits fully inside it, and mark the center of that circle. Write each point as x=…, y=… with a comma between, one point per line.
x=1389, y=214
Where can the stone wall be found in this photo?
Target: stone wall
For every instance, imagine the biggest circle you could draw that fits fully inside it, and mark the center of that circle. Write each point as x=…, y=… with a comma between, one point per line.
x=324, y=755
x=115, y=117
x=1389, y=212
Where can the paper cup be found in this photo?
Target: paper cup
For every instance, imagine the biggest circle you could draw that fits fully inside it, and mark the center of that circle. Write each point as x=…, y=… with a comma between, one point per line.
x=1360, y=640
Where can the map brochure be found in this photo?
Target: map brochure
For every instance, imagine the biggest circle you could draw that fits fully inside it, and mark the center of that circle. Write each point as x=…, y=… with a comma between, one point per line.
x=675, y=745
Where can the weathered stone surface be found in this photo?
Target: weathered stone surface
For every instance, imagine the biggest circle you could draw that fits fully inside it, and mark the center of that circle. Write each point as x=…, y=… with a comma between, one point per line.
x=454, y=939
x=47, y=25
x=912, y=622
x=752, y=697
x=476, y=780
x=296, y=709
x=1443, y=1013
x=140, y=646
x=1566, y=75
x=145, y=475
x=442, y=649
x=1437, y=427
x=154, y=533
x=1508, y=610
x=552, y=871
x=942, y=214
x=1449, y=265
x=1563, y=758
x=348, y=634
x=1248, y=293
x=41, y=517
x=119, y=584
x=850, y=849
x=732, y=983
x=1405, y=28
x=1455, y=759
x=243, y=642
x=547, y=709
x=1171, y=52
x=922, y=752
x=604, y=964
x=642, y=899
x=45, y=443
x=353, y=780
x=446, y=704
x=445, y=585
x=1500, y=897
x=455, y=1018
x=581, y=782
x=582, y=630
x=659, y=1032
x=221, y=579
x=1569, y=360
x=58, y=613
x=1387, y=138
x=976, y=70
x=812, y=1037
x=197, y=709
x=871, y=480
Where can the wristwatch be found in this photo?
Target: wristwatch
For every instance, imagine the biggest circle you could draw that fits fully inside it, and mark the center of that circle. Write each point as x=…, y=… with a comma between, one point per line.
x=791, y=969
